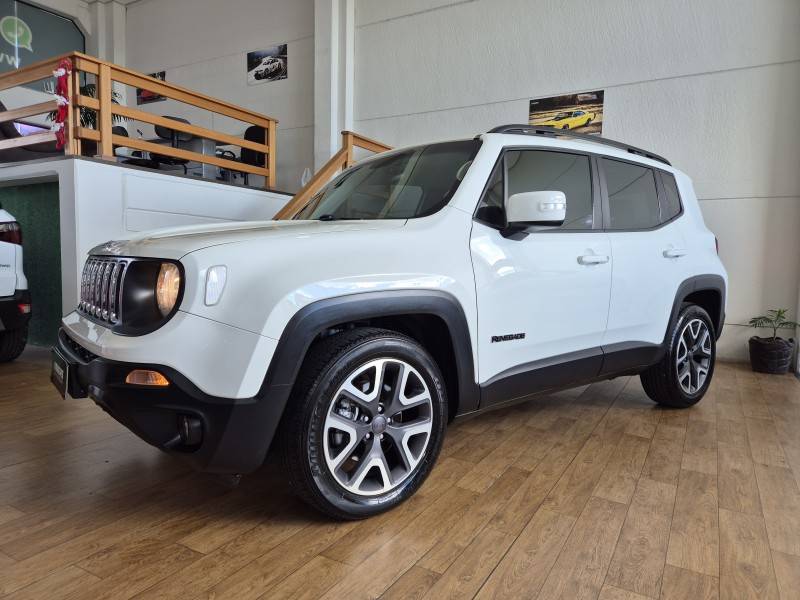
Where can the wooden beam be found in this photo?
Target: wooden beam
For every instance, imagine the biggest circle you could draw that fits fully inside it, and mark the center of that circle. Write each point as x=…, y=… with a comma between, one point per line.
x=201, y=132
x=88, y=134
x=367, y=143
x=320, y=178
x=88, y=102
x=28, y=140
x=271, y=157
x=164, y=150
x=199, y=100
x=104, y=94
x=28, y=111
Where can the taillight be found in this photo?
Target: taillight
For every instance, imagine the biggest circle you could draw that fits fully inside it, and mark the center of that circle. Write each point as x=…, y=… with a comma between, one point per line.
x=11, y=233
x=716, y=243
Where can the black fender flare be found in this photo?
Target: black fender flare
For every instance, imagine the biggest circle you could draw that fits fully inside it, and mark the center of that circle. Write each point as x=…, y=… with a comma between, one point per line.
x=317, y=317
x=698, y=283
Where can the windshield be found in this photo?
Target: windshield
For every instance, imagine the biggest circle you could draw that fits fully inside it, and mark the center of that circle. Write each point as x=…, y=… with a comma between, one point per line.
x=562, y=116
x=404, y=185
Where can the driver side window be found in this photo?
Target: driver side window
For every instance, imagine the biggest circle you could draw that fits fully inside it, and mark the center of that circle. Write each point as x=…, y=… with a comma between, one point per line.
x=540, y=170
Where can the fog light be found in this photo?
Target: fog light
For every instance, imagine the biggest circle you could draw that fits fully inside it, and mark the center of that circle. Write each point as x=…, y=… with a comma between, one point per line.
x=146, y=377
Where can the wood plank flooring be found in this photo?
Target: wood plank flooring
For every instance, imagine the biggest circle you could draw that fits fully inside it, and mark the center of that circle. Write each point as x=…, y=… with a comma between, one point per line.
x=588, y=493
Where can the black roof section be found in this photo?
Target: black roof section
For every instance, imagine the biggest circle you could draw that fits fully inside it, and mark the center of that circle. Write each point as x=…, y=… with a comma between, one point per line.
x=567, y=133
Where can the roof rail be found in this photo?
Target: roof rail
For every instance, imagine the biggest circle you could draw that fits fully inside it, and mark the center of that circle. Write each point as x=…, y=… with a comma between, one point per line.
x=546, y=130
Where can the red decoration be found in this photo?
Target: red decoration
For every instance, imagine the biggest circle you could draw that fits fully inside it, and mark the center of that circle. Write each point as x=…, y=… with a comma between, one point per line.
x=61, y=92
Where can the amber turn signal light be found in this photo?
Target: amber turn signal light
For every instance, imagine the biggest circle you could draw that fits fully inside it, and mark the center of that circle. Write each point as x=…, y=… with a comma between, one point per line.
x=146, y=377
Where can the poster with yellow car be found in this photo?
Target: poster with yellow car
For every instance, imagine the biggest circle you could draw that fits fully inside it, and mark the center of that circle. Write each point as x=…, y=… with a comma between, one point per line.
x=582, y=112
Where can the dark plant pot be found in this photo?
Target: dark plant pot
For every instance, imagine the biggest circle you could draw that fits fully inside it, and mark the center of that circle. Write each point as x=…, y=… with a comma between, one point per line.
x=769, y=355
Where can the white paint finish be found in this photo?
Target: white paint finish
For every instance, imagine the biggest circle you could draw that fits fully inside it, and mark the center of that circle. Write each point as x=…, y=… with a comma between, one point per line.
x=374, y=11
x=759, y=242
x=203, y=46
x=8, y=260
x=238, y=372
x=490, y=50
x=536, y=286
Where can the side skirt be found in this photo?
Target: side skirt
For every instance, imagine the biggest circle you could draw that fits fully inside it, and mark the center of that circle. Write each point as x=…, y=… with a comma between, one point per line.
x=569, y=370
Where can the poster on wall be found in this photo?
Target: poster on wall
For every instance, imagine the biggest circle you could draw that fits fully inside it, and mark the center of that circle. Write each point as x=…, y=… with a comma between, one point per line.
x=145, y=96
x=583, y=111
x=265, y=65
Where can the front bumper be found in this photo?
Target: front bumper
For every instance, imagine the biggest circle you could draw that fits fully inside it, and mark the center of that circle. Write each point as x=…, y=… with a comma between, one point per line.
x=226, y=435
x=10, y=315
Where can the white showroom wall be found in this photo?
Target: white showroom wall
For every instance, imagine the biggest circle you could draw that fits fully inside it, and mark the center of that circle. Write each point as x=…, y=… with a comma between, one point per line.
x=203, y=46
x=712, y=85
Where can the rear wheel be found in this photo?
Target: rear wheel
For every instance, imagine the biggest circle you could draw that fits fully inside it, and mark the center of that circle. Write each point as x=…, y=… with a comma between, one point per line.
x=12, y=343
x=682, y=377
x=367, y=419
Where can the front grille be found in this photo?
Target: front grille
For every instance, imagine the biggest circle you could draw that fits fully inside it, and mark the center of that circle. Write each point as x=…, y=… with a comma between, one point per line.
x=101, y=288
x=79, y=350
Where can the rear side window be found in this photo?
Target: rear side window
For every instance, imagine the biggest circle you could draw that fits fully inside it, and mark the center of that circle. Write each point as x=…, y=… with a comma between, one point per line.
x=541, y=170
x=632, y=195
x=671, y=205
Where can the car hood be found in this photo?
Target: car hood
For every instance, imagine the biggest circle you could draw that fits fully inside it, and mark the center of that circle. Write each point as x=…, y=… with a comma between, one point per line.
x=176, y=242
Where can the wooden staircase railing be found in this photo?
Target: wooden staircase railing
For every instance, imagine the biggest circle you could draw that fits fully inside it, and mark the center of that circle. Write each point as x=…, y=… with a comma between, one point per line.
x=106, y=74
x=343, y=159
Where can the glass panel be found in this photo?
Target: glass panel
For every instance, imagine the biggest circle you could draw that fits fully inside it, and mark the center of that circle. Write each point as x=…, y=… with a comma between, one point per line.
x=632, y=196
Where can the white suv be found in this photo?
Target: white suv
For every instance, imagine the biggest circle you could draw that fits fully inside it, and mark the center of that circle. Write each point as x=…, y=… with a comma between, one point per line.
x=418, y=286
x=15, y=300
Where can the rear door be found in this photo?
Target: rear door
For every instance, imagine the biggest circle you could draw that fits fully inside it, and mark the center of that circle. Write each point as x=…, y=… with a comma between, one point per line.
x=8, y=257
x=648, y=250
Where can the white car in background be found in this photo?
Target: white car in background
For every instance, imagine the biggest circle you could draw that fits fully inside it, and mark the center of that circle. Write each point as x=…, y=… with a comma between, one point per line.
x=15, y=300
x=418, y=286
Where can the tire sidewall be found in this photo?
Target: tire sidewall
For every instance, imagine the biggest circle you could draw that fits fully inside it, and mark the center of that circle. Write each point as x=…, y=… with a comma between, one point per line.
x=687, y=314
x=319, y=399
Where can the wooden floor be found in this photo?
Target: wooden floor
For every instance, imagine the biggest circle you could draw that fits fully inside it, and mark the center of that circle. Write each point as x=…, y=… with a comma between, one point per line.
x=585, y=494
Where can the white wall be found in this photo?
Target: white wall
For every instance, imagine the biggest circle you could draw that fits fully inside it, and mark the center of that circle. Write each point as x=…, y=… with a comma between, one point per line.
x=712, y=84
x=203, y=46
x=101, y=201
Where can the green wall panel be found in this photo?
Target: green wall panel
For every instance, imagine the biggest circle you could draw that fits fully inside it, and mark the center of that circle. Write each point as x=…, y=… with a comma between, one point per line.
x=36, y=208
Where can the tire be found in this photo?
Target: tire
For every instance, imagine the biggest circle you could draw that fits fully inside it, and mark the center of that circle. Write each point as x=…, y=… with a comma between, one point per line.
x=328, y=432
x=12, y=343
x=667, y=382
x=565, y=127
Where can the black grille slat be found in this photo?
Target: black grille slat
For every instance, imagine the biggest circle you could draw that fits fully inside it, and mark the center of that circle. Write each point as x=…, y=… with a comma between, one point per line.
x=101, y=288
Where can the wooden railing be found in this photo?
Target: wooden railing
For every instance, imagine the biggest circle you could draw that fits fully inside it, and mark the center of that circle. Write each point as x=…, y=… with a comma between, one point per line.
x=106, y=74
x=343, y=159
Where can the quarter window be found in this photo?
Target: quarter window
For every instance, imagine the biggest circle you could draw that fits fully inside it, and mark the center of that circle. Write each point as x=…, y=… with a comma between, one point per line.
x=671, y=206
x=541, y=170
x=632, y=195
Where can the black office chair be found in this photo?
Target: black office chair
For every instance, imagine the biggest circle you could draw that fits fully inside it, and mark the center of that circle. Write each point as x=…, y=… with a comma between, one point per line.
x=256, y=134
x=175, y=137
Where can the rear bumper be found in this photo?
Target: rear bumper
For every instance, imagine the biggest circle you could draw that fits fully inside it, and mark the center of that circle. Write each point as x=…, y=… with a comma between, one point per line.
x=221, y=435
x=10, y=315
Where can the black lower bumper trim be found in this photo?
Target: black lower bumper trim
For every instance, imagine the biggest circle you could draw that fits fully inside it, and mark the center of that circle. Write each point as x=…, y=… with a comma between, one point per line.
x=219, y=435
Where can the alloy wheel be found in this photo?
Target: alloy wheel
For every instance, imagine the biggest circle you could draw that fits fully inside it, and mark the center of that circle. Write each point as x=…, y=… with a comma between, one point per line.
x=377, y=426
x=693, y=357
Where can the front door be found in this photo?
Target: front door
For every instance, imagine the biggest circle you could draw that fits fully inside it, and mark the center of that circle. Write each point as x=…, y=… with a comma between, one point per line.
x=542, y=293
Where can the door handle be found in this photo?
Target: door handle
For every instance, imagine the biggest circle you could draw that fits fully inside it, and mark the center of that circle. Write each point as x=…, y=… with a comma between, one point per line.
x=674, y=253
x=592, y=259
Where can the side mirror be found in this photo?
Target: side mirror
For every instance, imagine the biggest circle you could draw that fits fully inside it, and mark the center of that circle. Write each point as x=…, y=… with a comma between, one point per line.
x=537, y=208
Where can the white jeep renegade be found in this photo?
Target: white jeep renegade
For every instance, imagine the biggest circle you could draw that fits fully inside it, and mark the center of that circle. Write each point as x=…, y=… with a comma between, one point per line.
x=418, y=286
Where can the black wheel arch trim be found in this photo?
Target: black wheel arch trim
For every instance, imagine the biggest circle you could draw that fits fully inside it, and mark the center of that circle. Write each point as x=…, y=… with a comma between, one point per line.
x=699, y=283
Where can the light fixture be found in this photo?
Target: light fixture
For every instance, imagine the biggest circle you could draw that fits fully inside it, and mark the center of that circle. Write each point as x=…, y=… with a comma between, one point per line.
x=167, y=287
x=215, y=283
x=146, y=377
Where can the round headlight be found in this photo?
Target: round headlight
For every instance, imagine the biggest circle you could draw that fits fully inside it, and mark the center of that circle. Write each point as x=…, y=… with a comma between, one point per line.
x=167, y=287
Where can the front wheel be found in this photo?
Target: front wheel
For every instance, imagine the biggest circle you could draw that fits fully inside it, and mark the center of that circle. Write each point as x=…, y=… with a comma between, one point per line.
x=365, y=423
x=682, y=377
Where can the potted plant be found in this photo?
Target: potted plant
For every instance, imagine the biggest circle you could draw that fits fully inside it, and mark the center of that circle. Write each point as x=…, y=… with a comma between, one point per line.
x=771, y=354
